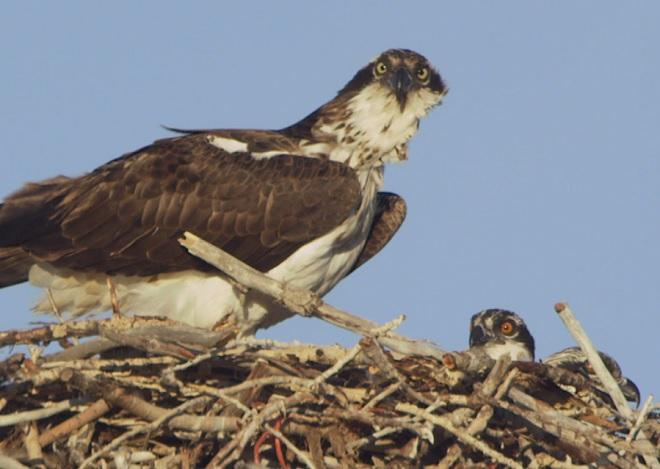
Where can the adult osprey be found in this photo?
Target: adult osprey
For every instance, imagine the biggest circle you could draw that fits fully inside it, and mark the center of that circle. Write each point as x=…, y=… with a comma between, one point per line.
x=301, y=204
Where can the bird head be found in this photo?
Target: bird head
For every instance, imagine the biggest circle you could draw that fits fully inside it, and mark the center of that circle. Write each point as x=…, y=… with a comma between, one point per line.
x=375, y=114
x=403, y=74
x=500, y=332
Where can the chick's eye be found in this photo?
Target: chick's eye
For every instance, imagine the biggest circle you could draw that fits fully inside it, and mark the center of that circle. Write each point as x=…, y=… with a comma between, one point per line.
x=381, y=68
x=423, y=74
x=507, y=328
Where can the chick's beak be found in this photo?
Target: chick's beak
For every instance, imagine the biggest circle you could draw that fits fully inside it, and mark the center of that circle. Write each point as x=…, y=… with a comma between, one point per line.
x=477, y=336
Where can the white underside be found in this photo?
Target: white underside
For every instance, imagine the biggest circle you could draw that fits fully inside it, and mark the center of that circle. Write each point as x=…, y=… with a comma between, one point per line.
x=205, y=299
x=515, y=350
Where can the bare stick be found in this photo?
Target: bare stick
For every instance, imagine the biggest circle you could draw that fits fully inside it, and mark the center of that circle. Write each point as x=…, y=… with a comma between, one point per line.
x=10, y=463
x=289, y=444
x=462, y=435
x=350, y=355
x=606, y=379
x=643, y=413
x=82, y=350
x=302, y=302
x=580, y=336
x=69, y=426
x=37, y=414
x=50, y=332
x=31, y=441
x=142, y=429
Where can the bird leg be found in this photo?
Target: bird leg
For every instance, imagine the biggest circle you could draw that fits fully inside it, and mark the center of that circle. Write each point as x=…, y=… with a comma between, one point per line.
x=114, y=301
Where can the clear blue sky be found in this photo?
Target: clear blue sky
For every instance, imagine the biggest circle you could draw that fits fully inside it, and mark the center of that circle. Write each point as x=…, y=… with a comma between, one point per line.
x=536, y=181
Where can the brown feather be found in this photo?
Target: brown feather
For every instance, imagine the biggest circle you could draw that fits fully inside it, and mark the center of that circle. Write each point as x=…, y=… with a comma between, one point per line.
x=126, y=216
x=14, y=266
x=389, y=217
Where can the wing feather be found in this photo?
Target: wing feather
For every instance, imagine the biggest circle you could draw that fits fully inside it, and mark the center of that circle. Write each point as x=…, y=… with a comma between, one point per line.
x=390, y=214
x=127, y=215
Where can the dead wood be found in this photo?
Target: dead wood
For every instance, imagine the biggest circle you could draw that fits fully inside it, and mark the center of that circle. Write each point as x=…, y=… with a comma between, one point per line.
x=148, y=392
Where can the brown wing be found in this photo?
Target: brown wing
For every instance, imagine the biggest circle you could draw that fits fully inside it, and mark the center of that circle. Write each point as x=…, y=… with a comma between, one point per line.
x=14, y=266
x=126, y=216
x=390, y=213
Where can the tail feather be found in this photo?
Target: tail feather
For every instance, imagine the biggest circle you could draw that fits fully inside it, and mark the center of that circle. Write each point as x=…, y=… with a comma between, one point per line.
x=15, y=264
x=25, y=214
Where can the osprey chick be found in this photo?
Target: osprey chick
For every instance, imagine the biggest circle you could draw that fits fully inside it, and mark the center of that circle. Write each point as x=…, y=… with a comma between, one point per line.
x=300, y=204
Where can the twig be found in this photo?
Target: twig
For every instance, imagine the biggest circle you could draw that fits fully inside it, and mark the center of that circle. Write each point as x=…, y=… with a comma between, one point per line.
x=9, y=463
x=91, y=413
x=299, y=301
x=289, y=444
x=142, y=429
x=462, y=435
x=605, y=377
x=31, y=441
x=82, y=350
x=643, y=413
x=376, y=354
x=235, y=447
x=117, y=396
x=350, y=355
x=492, y=384
x=51, y=332
x=37, y=414
x=580, y=336
x=388, y=391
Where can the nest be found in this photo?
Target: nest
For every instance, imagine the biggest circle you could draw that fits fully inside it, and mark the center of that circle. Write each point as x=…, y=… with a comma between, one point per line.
x=148, y=392
x=159, y=394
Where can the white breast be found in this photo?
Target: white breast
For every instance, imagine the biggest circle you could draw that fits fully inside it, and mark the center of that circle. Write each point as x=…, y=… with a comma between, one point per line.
x=515, y=350
x=320, y=264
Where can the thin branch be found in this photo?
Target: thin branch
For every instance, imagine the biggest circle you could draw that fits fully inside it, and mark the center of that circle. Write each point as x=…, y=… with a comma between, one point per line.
x=142, y=429
x=605, y=377
x=37, y=414
x=643, y=413
x=9, y=463
x=90, y=414
x=289, y=444
x=581, y=337
x=462, y=435
x=302, y=302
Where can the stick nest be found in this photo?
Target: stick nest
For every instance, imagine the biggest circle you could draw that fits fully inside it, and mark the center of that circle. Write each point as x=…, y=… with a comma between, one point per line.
x=153, y=393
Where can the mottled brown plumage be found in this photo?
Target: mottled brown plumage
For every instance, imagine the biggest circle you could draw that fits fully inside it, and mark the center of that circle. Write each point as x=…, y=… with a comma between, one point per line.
x=126, y=216
x=300, y=203
x=390, y=214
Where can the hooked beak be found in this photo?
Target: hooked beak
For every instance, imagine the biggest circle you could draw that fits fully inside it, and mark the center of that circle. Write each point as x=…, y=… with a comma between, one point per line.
x=477, y=336
x=401, y=81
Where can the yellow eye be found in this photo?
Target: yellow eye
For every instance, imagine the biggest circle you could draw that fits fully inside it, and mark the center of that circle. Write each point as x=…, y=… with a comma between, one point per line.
x=423, y=74
x=507, y=328
x=381, y=68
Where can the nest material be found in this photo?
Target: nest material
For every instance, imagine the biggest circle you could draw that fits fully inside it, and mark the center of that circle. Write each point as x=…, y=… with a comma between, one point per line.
x=152, y=393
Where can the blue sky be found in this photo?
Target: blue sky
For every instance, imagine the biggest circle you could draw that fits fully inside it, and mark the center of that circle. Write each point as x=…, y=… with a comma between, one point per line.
x=536, y=181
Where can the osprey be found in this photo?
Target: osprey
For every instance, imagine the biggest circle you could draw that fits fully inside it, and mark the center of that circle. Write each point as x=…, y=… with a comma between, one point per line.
x=574, y=359
x=301, y=204
x=500, y=332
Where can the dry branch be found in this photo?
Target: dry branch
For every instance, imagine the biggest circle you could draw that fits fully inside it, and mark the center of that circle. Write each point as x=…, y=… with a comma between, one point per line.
x=302, y=302
x=161, y=394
